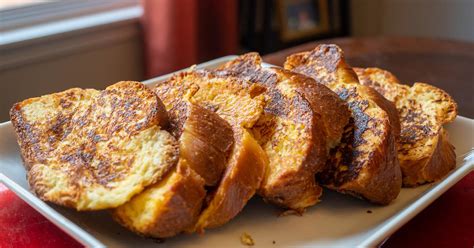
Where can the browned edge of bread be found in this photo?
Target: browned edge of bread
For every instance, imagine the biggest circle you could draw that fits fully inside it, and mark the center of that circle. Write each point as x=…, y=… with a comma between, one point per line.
x=359, y=166
x=241, y=107
x=167, y=208
x=95, y=163
x=294, y=131
x=422, y=117
x=175, y=204
x=37, y=139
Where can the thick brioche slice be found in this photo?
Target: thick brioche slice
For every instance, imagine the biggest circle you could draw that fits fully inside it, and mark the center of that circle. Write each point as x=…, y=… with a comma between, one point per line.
x=109, y=145
x=424, y=151
x=166, y=208
x=302, y=121
x=241, y=107
x=42, y=122
x=174, y=204
x=365, y=163
x=206, y=139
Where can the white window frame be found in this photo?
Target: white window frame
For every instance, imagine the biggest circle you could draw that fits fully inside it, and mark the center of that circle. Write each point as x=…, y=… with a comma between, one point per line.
x=56, y=28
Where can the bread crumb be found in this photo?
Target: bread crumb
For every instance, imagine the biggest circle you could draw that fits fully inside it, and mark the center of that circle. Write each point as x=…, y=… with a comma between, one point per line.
x=246, y=239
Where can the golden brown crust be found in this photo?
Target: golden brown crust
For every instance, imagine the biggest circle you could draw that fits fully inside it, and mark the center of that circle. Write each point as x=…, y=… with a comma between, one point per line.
x=364, y=163
x=170, y=207
x=326, y=105
x=240, y=105
x=205, y=143
x=325, y=64
x=96, y=158
x=423, y=109
x=39, y=137
x=386, y=105
x=242, y=178
x=205, y=139
x=433, y=167
x=167, y=208
x=383, y=82
x=292, y=116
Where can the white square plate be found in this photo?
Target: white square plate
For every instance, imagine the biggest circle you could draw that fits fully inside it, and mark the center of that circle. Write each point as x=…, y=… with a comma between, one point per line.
x=338, y=220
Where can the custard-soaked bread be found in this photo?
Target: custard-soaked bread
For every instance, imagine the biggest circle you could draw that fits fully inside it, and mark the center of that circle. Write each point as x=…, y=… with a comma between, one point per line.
x=106, y=146
x=167, y=207
x=241, y=106
x=41, y=122
x=424, y=151
x=365, y=163
x=302, y=121
x=205, y=138
x=174, y=204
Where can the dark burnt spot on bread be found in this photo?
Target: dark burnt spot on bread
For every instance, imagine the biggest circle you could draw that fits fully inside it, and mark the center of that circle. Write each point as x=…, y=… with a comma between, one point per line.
x=294, y=129
x=358, y=106
x=415, y=126
x=344, y=164
x=86, y=142
x=331, y=56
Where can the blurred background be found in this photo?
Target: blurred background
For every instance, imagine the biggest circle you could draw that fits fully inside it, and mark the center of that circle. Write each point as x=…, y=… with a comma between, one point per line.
x=48, y=46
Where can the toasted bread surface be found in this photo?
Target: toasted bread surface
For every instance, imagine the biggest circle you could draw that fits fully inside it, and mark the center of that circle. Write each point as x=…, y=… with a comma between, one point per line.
x=423, y=110
x=364, y=164
x=241, y=107
x=41, y=122
x=110, y=150
x=173, y=205
x=205, y=139
x=166, y=208
x=291, y=131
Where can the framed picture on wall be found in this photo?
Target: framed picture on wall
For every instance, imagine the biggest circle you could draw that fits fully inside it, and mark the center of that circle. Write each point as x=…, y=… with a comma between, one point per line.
x=300, y=19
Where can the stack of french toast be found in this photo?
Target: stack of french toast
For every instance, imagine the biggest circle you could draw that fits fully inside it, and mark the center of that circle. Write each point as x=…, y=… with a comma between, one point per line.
x=189, y=153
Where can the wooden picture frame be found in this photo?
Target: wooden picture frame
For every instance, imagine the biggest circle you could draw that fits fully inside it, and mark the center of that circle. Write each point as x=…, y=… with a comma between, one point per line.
x=300, y=19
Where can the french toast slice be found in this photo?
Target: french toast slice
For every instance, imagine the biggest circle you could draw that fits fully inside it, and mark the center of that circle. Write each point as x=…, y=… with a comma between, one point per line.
x=241, y=107
x=105, y=146
x=302, y=121
x=364, y=164
x=424, y=151
x=41, y=122
x=174, y=204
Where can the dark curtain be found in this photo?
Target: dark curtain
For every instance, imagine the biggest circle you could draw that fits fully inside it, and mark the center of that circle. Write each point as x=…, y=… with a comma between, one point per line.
x=180, y=33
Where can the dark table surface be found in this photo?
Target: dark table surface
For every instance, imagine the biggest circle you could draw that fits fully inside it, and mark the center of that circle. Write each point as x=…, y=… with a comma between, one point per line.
x=448, y=65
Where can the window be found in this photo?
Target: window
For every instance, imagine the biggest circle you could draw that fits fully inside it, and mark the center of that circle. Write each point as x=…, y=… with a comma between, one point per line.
x=16, y=14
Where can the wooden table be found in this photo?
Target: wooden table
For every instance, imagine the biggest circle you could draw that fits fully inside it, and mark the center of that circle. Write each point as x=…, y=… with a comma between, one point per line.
x=446, y=64
x=449, y=221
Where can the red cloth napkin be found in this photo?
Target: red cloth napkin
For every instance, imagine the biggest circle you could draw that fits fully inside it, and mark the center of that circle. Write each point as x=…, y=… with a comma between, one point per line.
x=448, y=222
x=21, y=226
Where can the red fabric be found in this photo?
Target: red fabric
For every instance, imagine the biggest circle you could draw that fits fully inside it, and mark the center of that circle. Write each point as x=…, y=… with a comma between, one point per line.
x=21, y=226
x=180, y=33
x=448, y=222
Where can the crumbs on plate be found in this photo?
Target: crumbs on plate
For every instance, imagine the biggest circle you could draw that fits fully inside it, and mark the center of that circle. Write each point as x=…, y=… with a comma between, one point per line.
x=246, y=239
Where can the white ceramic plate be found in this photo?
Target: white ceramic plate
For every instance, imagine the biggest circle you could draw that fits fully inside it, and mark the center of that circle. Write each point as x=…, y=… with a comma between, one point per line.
x=338, y=220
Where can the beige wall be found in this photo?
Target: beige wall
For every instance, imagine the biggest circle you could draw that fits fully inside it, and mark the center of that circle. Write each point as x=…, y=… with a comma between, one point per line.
x=450, y=19
x=95, y=66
